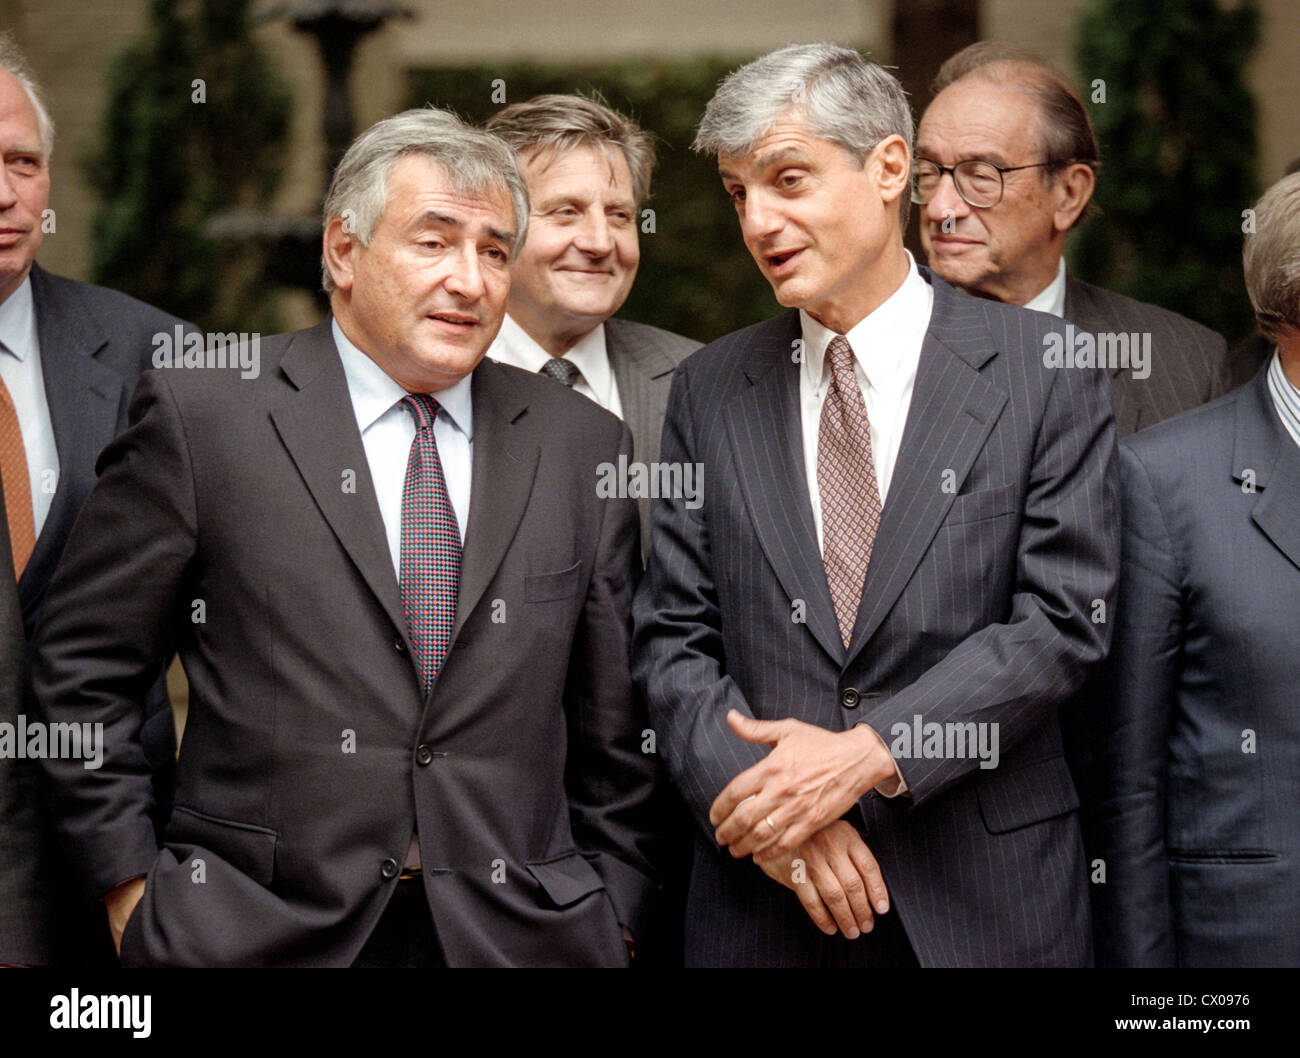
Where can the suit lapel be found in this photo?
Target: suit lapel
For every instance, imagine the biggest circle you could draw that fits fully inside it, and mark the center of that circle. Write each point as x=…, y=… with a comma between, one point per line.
x=502, y=481
x=317, y=424
x=84, y=398
x=766, y=437
x=637, y=371
x=953, y=410
x=1264, y=453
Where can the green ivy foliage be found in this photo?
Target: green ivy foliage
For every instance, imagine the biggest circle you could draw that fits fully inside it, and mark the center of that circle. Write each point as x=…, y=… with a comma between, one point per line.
x=696, y=277
x=1177, y=132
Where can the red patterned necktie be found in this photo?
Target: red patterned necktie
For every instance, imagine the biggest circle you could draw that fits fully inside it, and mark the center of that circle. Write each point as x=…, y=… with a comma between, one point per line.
x=430, y=561
x=17, y=484
x=846, y=484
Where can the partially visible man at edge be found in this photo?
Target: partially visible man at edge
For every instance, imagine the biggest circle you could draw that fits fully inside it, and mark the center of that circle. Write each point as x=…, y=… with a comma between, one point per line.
x=70, y=354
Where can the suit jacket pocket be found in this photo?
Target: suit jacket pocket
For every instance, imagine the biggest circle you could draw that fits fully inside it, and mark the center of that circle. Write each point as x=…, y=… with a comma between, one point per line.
x=545, y=587
x=1032, y=793
x=565, y=879
x=982, y=505
x=250, y=849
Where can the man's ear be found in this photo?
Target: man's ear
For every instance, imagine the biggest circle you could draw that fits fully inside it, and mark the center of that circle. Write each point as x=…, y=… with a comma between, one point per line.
x=893, y=163
x=339, y=247
x=1071, y=194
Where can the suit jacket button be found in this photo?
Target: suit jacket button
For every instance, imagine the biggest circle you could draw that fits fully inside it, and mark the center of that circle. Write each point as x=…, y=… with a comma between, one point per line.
x=423, y=754
x=388, y=869
x=849, y=699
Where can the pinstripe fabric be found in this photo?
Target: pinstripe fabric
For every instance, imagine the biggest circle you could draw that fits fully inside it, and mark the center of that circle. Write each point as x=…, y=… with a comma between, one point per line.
x=1000, y=530
x=1189, y=362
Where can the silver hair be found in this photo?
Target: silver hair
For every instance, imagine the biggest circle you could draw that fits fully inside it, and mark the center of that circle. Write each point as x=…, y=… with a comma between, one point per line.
x=476, y=162
x=13, y=60
x=1271, y=259
x=841, y=97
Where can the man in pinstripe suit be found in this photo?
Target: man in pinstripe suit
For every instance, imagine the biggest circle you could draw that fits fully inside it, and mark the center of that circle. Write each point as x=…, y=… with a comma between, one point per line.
x=906, y=550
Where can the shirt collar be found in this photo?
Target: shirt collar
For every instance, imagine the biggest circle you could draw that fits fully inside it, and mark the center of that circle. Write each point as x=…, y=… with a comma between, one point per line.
x=1051, y=298
x=516, y=346
x=17, y=318
x=1286, y=397
x=875, y=339
x=374, y=393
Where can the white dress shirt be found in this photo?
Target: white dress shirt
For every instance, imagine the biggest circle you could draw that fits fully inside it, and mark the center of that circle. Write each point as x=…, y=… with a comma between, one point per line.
x=1286, y=398
x=20, y=367
x=1051, y=298
x=886, y=351
x=388, y=428
x=513, y=345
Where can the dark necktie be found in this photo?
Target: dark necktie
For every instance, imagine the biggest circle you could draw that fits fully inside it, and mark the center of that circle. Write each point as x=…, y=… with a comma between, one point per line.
x=846, y=484
x=17, y=484
x=430, y=560
x=562, y=370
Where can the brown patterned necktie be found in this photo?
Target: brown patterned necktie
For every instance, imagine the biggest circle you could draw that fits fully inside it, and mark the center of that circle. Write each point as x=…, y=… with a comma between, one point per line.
x=17, y=484
x=846, y=483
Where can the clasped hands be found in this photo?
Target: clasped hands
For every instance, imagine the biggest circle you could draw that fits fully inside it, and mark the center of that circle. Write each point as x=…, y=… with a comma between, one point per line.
x=785, y=812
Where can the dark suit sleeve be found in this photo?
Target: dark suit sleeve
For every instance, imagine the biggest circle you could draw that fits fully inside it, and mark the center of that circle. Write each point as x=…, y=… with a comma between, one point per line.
x=609, y=779
x=1016, y=673
x=105, y=631
x=678, y=651
x=24, y=939
x=1128, y=738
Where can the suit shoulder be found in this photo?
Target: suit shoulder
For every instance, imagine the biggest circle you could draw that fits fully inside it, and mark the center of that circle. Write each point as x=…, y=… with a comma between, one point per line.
x=1178, y=440
x=677, y=346
x=565, y=412
x=110, y=307
x=1131, y=314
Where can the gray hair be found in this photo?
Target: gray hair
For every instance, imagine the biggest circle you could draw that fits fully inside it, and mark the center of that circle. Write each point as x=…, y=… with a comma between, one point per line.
x=476, y=162
x=557, y=124
x=1271, y=259
x=13, y=60
x=841, y=96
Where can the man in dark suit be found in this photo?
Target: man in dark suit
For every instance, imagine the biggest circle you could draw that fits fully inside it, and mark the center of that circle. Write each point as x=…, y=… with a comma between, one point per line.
x=858, y=643
x=24, y=911
x=402, y=608
x=588, y=170
x=70, y=354
x=1194, y=756
x=1006, y=158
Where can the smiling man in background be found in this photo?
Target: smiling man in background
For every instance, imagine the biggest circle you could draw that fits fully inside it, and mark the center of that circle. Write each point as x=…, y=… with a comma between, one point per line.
x=588, y=171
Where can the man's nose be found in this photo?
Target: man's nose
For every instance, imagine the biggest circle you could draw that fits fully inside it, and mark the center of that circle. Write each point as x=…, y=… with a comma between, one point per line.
x=465, y=278
x=8, y=196
x=594, y=235
x=946, y=203
x=761, y=217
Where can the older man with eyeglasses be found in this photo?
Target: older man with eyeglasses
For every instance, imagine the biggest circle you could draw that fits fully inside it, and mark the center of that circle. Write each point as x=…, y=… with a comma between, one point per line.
x=993, y=226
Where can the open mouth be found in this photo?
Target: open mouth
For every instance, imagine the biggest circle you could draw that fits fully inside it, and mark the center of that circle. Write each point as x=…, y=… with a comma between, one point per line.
x=777, y=261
